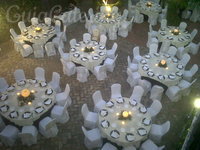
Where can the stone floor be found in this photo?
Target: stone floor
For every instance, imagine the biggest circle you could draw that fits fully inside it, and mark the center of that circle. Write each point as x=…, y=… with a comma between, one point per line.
x=70, y=136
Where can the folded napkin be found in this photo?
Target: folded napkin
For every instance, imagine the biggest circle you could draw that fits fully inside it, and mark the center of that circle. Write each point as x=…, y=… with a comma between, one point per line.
x=146, y=121
x=4, y=108
x=115, y=134
x=142, y=109
x=109, y=104
x=4, y=97
x=105, y=124
x=48, y=101
x=142, y=132
x=130, y=137
x=103, y=112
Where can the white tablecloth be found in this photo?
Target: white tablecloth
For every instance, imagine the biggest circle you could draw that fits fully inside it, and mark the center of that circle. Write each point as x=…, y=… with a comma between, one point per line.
x=144, y=9
x=133, y=131
x=168, y=76
x=23, y=115
x=91, y=59
x=30, y=35
x=181, y=40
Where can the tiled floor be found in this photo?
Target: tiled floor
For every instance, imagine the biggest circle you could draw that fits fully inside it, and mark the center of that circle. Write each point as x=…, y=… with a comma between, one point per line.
x=70, y=136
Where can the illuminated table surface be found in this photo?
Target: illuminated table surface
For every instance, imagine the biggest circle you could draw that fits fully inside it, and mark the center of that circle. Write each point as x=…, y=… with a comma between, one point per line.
x=180, y=40
x=124, y=132
x=169, y=76
x=33, y=36
x=25, y=114
x=88, y=59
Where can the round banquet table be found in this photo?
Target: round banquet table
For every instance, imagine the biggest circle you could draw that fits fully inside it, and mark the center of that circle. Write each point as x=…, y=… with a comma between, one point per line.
x=88, y=59
x=180, y=40
x=169, y=76
x=21, y=114
x=30, y=35
x=115, y=20
x=132, y=131
x=142, y=7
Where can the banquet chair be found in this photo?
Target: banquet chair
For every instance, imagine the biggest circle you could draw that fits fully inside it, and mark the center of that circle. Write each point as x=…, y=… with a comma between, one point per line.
x=60, y=113
x=153, y=32
x=72, y=42
x=173, y=93
x=185, y=59
x=172, y=51
x=69, y=68
x=112, y=51
x=186, y=14
x=156, y=92
x=103, y=39
x=24, y=49
x=82, y=74
x=125, y=14
x=16, y=43
x=108, y=146
x=155, y=108
x=115, y=9
x=138, y=18
x=153, y=19
x=133, y=77
x=193, y=34
x=158, y=131
x=58, y=26
x=163, y=23
x=90, y=118
x=129, y=148
x=100, y=72
x=58, y=42
x=182, y=26
x=103, y=9
x=185, y=86
x=123, y=29
x=116, y=91
x=188, y=74
x=55, y=82
x=34, y=21
x=92, y=138
x=130, y=24
x=86, y=37
x=63, y=97
x=21, y=26
x=90, y=13
x=150, y=145
x=40, y=74
x=64, y=56
x=112, y=33
x=98, y=100
x=13, y=33
x=95, y=33
x=165, y=46
x=50, y=49
x=153, y=48
x=132, y=66
x=194, y=48
x=102, y=29
x=87, y=22
x=137, y=93
x=9, y=135
x=38, y=50
x=28, y=135
x=181, y=51
x=3, y=84
x=151, y=39
x=47, y=21
x=48, y=127
x=136, y=54
x=146, y=85
x=110, y=63
x=2, y=124
x=19, y=75
x=62, y=34
x=163, y=14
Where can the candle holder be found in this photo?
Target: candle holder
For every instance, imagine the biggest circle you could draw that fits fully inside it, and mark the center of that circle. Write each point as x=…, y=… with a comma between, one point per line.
x=175, y=32
x=149, y=4
x=25, y=97
x=125, y=115
x=88, y=49
x=38, y=29
x=162, y=64
x=108, y=16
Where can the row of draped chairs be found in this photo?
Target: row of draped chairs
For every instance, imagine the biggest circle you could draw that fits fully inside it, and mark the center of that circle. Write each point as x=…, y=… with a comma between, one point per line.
x=39, y=48
x=174, y=93
x=92, y=134
x=100, y=71
x=113, y=30
x=47, y=126
x=152, y=18
x=191, y=48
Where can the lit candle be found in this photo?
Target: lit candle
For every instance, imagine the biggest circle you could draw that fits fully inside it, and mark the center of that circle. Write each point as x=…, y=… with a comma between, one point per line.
x=117, y=114
x=123, y=122
x=25, y=93
x=38, y=29
x=163, y=62
x=32, y=91
x=175, y=31
x=29, y=103
x=125, y=114
x=108, y=9
x=149, y=4
x=18, y=94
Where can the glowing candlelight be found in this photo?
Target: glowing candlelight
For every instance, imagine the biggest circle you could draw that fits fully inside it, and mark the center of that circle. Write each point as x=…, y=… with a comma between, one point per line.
x=163, y=62
x=108, y=9
x=38, y=29
x=123, y=122
x=25, y=93
x=18, y=94
x=125, y=114
x=32, y=91
x=29, y=103
x=117, y=114
x=175, y=32
x=149, y=4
